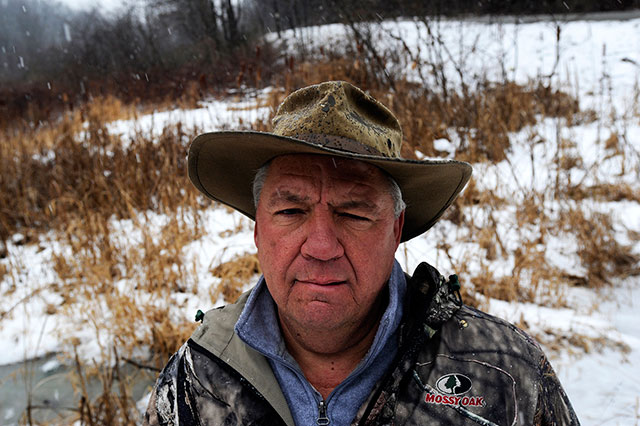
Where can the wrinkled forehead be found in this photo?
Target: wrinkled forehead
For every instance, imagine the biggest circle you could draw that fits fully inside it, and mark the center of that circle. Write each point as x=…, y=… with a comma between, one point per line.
x=325, y=167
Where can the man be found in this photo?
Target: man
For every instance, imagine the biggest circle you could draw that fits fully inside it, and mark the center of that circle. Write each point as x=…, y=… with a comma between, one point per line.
x=335, y=332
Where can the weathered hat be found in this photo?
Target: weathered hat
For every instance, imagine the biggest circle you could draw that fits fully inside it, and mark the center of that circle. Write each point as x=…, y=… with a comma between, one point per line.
x=333, y=118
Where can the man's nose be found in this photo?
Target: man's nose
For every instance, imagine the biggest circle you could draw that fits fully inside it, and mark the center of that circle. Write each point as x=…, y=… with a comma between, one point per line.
x=322, y=242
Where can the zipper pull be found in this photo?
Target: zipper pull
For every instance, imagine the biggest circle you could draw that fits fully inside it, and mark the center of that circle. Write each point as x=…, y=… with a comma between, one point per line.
x=323, y=420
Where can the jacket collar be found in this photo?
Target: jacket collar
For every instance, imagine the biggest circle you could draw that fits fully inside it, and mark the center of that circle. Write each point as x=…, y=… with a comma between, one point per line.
x=216, y=334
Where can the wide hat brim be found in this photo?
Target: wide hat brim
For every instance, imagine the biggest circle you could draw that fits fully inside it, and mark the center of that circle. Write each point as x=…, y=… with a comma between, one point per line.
x=222, y=166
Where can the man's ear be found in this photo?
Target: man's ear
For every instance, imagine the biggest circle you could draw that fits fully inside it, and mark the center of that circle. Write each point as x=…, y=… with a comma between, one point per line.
x=397, y=228
x=255, y=233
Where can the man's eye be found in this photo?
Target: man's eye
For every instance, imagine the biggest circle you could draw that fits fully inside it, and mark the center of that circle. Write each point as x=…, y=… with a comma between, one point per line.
x=289, y=212
x=354, y=217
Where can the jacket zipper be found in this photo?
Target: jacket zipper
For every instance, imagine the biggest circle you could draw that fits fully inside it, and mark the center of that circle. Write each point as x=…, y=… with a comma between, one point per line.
x=323, y=420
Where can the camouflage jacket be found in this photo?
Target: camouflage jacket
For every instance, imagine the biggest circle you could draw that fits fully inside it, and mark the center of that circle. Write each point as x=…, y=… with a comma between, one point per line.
x=455, y=366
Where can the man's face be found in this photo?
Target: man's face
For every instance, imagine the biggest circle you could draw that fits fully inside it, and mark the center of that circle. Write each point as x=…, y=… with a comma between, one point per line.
x=326, y=237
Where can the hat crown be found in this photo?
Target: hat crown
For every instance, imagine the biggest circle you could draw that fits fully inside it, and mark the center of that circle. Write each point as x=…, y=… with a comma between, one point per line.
x=337, y=114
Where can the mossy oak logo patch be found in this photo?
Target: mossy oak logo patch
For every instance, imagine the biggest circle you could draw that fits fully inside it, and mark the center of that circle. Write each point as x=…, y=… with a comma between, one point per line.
x=450, y=390
x=453, y=384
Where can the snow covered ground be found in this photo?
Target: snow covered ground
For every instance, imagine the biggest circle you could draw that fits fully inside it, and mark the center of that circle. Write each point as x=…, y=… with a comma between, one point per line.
x=599, y=62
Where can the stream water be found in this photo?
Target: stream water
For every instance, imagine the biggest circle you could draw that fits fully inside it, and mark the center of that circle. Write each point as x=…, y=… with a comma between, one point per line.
x=44, y=385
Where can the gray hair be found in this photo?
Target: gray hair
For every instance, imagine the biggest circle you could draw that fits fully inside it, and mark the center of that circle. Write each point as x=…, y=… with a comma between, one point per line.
x=396, y=194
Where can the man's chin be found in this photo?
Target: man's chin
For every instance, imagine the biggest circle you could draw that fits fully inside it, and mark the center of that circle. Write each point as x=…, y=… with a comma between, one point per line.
x=321, y=316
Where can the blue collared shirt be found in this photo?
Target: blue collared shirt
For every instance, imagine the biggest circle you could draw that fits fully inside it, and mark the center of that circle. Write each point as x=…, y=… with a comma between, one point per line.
x=258, y=327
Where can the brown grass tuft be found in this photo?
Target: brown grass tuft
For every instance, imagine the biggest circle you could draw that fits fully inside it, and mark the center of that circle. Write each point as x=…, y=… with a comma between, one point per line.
x=234, y=275
x=621, y=191
x=578, y=343
x=601, y=254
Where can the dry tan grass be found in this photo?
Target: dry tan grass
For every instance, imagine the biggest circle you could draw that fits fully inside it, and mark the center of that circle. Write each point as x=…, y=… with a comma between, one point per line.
x=604, y=192
x=135, y=317
x=577, y=343
x=76, y=180
x=482, y=118
x=50, y=178
x=604, y=257
x=234, y=275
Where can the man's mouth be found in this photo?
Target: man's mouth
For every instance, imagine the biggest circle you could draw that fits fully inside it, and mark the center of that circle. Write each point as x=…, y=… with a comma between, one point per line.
x=323, y=282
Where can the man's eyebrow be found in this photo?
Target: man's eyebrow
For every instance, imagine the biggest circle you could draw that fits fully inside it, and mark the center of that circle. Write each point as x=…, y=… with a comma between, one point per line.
x=357, y=204
x=286, y=195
